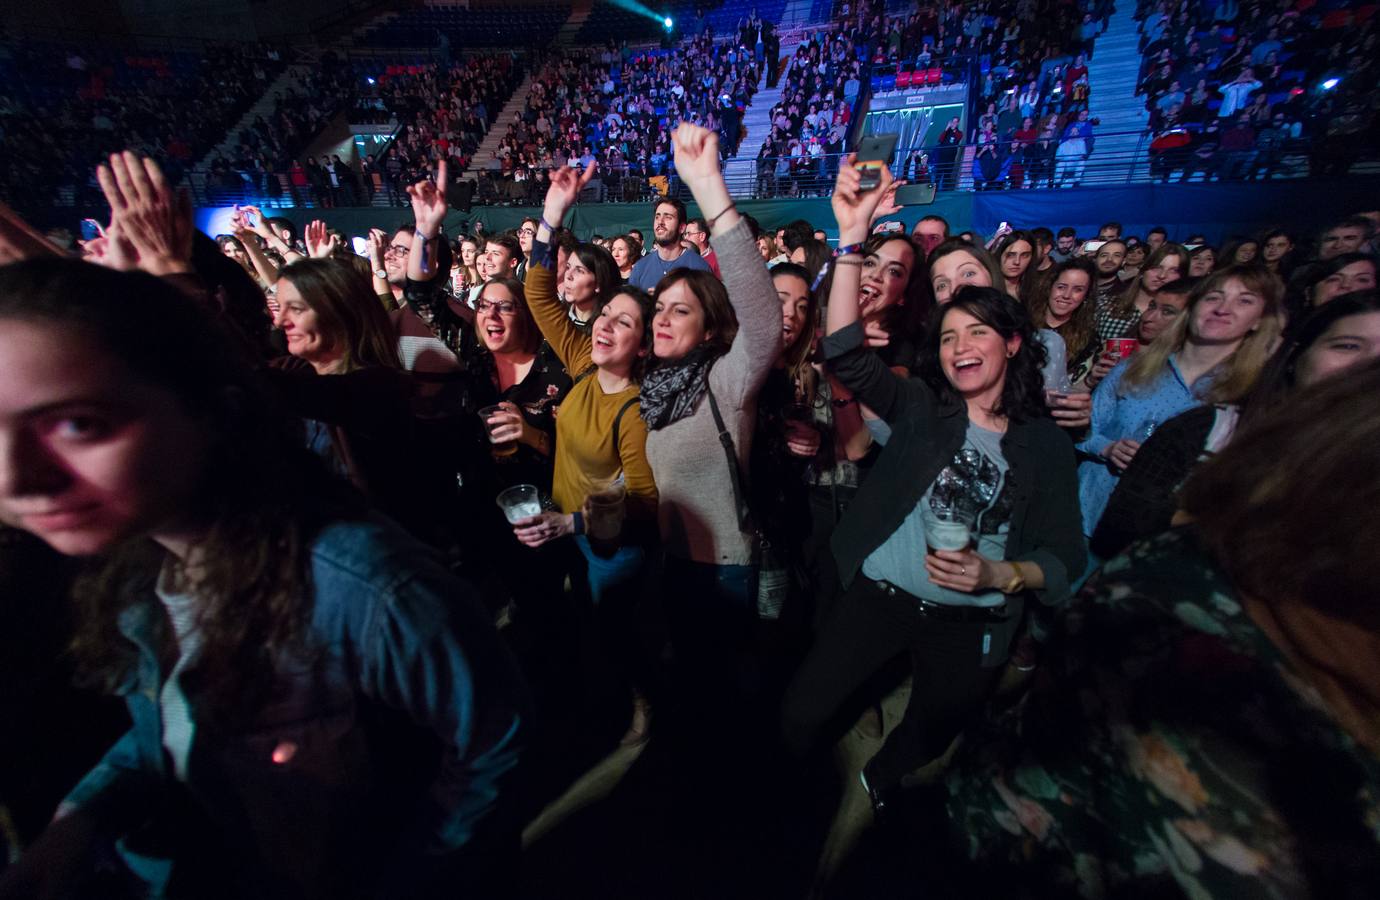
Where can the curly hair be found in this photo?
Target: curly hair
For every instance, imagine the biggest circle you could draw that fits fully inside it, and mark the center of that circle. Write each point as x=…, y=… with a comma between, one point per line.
x=1022, y=394
x=262, y=495
x=1081, y=329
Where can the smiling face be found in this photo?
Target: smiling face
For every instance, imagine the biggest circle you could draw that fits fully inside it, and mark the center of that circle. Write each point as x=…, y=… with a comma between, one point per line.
x=395, y=257
x=678, y=326
x=973, y=355
x=794, y=295
x=1358, y=276
x=885, y=275
x=1069, y=291
x=496, y=319
x=617, y=334
x=955, y=270
x=498, y=261
x=1151, y=280
x=1016, y=259
x=1226, y=315
x=1348, y=342
x=89, y=452
x=306, y=336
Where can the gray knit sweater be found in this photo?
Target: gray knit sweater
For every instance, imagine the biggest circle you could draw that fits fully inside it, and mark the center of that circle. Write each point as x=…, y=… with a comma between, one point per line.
x=696, y=510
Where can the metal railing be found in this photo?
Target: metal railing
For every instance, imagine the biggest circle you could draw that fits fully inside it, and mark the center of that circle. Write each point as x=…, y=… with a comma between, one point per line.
x=812, y=177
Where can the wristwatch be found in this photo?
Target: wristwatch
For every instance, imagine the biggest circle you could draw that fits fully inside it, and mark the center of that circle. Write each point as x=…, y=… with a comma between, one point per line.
x=1017, y=582
x=381, y=274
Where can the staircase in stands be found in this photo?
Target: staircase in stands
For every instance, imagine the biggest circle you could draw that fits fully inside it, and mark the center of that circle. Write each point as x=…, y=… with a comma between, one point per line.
x=741, y=168
x=1122, y=117
x=290, y=77
x=518, y=101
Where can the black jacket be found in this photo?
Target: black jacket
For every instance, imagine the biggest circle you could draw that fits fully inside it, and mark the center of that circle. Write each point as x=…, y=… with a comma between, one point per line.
x=927, y=430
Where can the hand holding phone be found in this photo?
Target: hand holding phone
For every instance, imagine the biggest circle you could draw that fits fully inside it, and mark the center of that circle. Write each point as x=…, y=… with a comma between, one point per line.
x=872, y=154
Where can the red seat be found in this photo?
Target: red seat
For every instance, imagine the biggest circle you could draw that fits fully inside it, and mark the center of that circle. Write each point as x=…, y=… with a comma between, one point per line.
x=934, y=75
x=903, y=79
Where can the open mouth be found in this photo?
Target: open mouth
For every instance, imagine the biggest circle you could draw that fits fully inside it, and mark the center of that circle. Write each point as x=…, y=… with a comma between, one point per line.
x=603, y=340
x=962, y=366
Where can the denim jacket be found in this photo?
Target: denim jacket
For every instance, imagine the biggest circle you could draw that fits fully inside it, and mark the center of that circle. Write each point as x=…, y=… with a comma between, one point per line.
x=372, y=761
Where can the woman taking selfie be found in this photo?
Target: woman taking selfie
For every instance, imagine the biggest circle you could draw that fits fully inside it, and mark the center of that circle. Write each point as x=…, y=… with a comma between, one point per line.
x=972, y=450
x=1211, y=353
x=320, y=709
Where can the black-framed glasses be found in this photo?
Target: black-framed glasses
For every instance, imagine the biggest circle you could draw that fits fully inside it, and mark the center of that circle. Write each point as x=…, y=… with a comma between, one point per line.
x=502, y=307
x=396, y=250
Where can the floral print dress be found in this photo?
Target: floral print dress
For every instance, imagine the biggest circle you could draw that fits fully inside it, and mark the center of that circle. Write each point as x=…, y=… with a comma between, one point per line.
x=1167, y=749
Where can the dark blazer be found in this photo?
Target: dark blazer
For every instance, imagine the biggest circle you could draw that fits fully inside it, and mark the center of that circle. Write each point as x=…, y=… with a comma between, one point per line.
x=926, y=431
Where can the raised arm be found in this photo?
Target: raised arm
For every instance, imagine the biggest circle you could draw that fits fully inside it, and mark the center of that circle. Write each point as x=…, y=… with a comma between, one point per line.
x=429, y=210
x=857, y=368
x=744, y=368
x=570, y=344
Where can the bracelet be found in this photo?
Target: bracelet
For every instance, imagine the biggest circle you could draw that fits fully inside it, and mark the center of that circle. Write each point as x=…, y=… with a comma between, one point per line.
x=731, y=205
x=841, y=403
x=847, y=262
x=549, y=227
x=848, y=250
x=577, y=520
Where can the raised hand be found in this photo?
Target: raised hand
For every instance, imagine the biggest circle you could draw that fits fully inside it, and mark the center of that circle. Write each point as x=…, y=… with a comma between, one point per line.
x=378, y=247
x=111, y=250
x=697, y=153
x=854, y=208
x=320, y=243
x=887, y=205
x=565, y=187
x=254, y=218
x=429, y=203
x=156, y=221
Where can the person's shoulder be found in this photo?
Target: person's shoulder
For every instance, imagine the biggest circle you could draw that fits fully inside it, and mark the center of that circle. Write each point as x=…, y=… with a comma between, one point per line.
x=368, y=555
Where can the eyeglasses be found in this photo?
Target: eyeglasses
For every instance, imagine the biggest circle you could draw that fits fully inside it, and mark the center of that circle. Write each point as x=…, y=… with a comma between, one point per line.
x=528, y=231
x=397, y=250
x=502, y=307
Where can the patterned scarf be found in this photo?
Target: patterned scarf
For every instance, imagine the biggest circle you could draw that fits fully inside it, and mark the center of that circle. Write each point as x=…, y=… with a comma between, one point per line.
x=670, y=392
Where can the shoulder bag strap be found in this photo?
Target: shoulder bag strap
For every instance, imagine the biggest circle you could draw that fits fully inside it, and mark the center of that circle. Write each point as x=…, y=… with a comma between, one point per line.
x=726, y=439
x=619, y=418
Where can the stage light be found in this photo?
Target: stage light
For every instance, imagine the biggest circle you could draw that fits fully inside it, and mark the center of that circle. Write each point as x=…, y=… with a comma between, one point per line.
x=1330, y=83
x=668, y=23
x=370, y=80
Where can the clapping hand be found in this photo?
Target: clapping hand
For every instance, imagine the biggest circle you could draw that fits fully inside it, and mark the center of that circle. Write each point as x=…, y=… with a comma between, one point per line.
x=320, y=243
x=429, y=203
x=156, y=222
x=853, y=207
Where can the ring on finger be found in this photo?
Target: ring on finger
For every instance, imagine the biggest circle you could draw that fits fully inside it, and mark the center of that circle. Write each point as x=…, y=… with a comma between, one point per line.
x=963, y=570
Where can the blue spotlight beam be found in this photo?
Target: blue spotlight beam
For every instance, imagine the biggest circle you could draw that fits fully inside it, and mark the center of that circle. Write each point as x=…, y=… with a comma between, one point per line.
x=642, y=9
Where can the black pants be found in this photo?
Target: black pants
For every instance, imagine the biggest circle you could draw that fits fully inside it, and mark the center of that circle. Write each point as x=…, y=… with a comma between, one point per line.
x=868, y=627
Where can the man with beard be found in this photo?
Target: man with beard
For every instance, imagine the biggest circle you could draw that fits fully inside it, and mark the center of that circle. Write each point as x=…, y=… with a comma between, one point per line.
x=668, y=221
x=1064, y=245
x=1108, y=261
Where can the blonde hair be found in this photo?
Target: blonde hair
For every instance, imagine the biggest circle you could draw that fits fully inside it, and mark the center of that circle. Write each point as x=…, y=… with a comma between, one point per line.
x=1243, y=367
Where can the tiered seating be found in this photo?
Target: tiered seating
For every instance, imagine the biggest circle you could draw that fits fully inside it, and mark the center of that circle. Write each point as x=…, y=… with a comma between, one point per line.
x=1232, y=96
x=521, y=26
x=68, y=105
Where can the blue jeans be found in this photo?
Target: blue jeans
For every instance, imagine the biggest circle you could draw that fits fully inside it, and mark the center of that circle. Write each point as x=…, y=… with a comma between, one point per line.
x=609, y=574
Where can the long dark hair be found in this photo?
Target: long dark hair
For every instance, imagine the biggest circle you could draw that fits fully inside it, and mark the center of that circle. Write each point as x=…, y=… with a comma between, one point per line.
x=348, y=312
x=1022, y=394
x=1081, y=328
x=600, y=263
x=1280, y=376
x=906, y=320
x=531, y=333
x=647, y=306
x=262, y=496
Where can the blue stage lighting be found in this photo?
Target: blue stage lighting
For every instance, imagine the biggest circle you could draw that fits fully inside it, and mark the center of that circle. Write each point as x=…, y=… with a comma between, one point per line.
x=668, y=23
x=1330, y=83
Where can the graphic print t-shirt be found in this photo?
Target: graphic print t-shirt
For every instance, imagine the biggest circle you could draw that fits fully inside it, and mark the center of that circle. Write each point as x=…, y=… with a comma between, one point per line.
x=976, y=479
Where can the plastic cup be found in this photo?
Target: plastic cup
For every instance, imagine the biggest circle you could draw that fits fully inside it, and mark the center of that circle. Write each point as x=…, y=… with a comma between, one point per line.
x=947, y=529
x=498, y=448
x=606, y=512
x=1123, y=347
x=521, y=501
